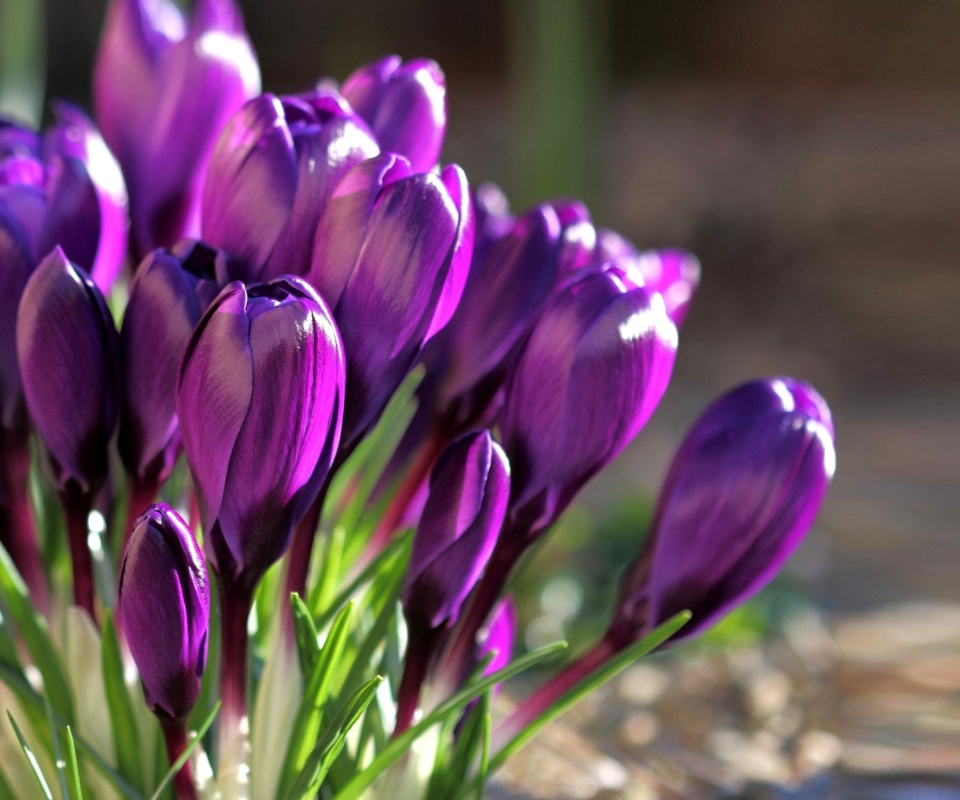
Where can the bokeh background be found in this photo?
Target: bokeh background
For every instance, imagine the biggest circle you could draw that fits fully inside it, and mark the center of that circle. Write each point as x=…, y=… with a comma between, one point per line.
x=809, y=154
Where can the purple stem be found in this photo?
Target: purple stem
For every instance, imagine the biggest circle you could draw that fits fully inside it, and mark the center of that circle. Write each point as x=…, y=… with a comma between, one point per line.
x=420, y=649
x=76, y=508
x=175, y=737
x=235, y=606
x=142, y=496
x=17, y=532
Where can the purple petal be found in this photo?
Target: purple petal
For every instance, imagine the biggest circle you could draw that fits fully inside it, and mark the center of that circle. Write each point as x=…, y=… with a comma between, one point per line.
x=15, y=268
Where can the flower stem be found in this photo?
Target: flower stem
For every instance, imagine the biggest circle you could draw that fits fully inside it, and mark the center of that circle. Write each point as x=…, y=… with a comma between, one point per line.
x=551, y=691
x=420, y=649
x=17, y=532
x=76, y=508
x=235, y=603
x=142, y=495
x=175, y=737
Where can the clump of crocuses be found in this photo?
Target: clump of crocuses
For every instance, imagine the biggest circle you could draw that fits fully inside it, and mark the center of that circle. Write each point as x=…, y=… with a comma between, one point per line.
x=388, y=387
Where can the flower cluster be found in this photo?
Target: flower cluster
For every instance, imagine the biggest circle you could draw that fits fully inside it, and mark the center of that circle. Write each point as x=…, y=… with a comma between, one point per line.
x=303, y=269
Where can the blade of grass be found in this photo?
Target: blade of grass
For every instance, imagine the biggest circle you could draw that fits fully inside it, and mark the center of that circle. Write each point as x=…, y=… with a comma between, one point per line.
x=31, y=759
x=453, y=705
x=59, y=763
x=6, y=793
x=187, y=752
x=73, y=768
x=123, y=721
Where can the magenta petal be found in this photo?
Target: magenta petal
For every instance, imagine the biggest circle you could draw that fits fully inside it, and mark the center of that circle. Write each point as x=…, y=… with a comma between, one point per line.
x=214, y=390
x=251, y=184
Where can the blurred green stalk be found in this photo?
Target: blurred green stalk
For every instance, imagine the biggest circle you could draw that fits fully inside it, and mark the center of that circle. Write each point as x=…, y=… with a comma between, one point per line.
x=22, y=59
x=556, y=61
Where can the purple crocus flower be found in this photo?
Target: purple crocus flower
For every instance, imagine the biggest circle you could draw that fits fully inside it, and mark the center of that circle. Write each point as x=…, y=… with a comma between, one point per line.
x=65, y=189
x=16, y=266
x=494, y=220
x=264, y=365
x=458, y=529
x=391, y=257
x=164, y=87
x=68, y=355
x=405, y=105
x=674, y=274
x=497, y=636
x=164, y=607
x=167, y=297
x=271, y=174
x=741, y=493
x=591, y=374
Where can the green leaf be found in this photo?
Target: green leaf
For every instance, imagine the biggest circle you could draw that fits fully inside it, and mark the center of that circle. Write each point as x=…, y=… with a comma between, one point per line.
x=614, y=666
x=330, y=556
x=316, y=693
x=32, y=759
x=451, y=768
x=453, y=705
x=484, y=770
x=331, y=742
x=60, y=764
x=73, y=769
x=305, y=631
x=123, y=721
x=187, y=752
x=33, y=629
x=6, y=793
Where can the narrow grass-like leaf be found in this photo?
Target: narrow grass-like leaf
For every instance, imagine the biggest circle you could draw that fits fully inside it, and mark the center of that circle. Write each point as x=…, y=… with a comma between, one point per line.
x=330, y=557
x=123, y=721
x=452, y=705
x=58, y=761
x=187, y=752
x=308, y=648
x=316, y=693
x=370, y=572
x=614, y=666
x=331, y=742
x=33, y=629
x=487, y=718
x=73, y=768
x=31, y=759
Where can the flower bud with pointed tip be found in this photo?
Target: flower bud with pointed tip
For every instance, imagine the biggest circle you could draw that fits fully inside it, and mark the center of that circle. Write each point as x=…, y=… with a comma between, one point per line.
x=405, y=105
x=391, y=257
x=465, y=509
x=163, y=603
x=272, y=171
x=260, y=402
x=167, y=297
x=67, y=349
x=589, y=377
x=740, y=495
x=164, y=87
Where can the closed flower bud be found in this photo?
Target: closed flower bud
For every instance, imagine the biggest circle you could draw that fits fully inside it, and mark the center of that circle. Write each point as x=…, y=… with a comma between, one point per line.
x=164, y=87
x=16, y=265
x=167, y=297
x=405, y=105
x=391, y=257
x=272, y=171
x=65, y=190
x=458, y=529
x=259, y=399
x=588, y=379
x=68, y=354
x=741, y=493
x=164, y=607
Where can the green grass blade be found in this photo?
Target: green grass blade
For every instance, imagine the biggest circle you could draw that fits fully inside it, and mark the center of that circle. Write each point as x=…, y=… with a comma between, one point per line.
x=487, y=731
x=187, y=752
x=331, y=742
x=123, y=721
x=59, y=763
x=316, y=693
x=613, y=667
x=33, y=628
x=6, y=793
x=73, y=768
x=31, y=759
x=308, y=648
x=453, y=705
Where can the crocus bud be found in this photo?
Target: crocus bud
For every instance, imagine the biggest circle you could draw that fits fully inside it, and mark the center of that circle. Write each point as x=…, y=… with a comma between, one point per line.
x=405, y=106
x=167, y=297
x=68, y=354
x=272, y=171
x=65, y=190
x=675, y=274
x=741, y=493
x=391, y=257
x=497, y=636
x=588, y=379
x=163, y=88
x=458, y=529
x=16, y=264
x=164, y=607
x=260, y=400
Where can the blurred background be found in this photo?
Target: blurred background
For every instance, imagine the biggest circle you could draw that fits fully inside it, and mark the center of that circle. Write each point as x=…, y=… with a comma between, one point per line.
x=809, y=154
